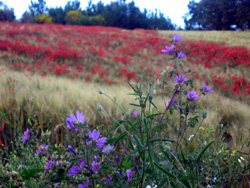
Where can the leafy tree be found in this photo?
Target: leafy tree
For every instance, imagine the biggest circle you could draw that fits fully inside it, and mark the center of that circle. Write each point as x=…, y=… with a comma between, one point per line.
x=38, y=8
x=72, y=5
x=218, y=14
x=27, y=18
x=58, y=15
x=44, y=18
x=6, y=14
x=73, y=17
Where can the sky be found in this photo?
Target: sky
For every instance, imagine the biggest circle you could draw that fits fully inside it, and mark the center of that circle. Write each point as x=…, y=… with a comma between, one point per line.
x=174, y=9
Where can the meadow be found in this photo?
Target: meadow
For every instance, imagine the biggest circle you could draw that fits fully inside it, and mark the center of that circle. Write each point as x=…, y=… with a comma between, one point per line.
x=50, y=71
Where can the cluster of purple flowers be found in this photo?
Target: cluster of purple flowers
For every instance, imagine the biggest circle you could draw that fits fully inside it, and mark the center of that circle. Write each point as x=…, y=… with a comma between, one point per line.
x=26, y=136
x=49, y=165
x=42, y=149
x=79, y=118
x=170, y=49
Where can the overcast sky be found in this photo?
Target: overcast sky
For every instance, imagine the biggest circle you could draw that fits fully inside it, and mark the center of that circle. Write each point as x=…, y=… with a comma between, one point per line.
x=174, y=9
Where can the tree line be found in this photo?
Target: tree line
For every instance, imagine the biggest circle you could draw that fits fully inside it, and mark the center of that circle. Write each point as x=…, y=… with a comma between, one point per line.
x=218, y=15
x=116, y=14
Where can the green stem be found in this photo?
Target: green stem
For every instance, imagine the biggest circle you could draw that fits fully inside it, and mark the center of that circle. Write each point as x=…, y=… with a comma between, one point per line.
x=123, y=110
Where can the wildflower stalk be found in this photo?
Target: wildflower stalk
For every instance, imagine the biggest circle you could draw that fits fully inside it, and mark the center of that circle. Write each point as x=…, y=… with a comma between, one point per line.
x=123, y=110
x=115, y=121
x=164, y=113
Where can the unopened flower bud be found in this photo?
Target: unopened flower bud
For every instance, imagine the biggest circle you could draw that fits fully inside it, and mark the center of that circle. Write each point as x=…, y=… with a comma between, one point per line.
x=100, y=91
x=150, y=84
x=150, y=98
x=185, y=91
x=99, y=107
x=204, y=114
x=142, y=104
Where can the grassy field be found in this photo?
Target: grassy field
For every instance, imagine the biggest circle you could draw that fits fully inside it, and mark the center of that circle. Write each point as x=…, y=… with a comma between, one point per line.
x=48, y=72
x=230, y=38
x=45, y=76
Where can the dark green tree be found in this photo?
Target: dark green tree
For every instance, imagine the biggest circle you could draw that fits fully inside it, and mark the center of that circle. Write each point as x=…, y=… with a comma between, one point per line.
x=6, y=14
x=58, y=14
x=27, y=18
x=218, y=15
x=37, y=8
x=72, y=5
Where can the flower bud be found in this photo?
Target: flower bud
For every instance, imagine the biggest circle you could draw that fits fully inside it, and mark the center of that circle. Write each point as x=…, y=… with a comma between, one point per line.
x=150, y=98
x=99, y=107
x=100, y=91
x=204, y=114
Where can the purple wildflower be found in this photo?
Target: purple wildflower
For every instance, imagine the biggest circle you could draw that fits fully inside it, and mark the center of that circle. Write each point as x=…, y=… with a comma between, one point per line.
x=117, y=159
x=132, y=138
x=26, y=136
x=118, y=174
x=72, y=149
x=177, y=38
x=81, y=163
x=95, y=135
x=129, y=173
x=110, y=178
x=207, y=88
x=134, y=113
x=74, y=170
x=179, y=107
x=49, y=165
x=79, y=118
x=57, y=184
x=84, y=185
x=108, y=148
x=180, y=79
x=96, y=166
x=181, y=54
x=168, y=49
x=192, y=95
x=42, y=148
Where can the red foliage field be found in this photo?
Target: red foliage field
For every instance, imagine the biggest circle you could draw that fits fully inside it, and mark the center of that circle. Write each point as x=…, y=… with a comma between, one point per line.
x=108, y=55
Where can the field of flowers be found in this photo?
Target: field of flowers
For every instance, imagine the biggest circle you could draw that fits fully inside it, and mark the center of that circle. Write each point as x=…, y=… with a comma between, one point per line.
x=49, y=71
x=111, y=54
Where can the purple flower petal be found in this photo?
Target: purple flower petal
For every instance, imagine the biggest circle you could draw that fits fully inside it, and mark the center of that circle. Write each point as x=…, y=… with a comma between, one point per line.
x=74, y=170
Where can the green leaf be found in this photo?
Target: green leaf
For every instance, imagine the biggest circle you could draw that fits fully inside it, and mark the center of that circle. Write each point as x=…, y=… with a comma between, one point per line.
x=127, y=164
x=115, y=125
x=134, y=104
x=154, y=105
x=165, y=171
x=31, y=172
x=132, y=87
x=163, y=182
x=138, y=142
x=120, y=137
x=160, y=139
x=193, y=121
x=202, y=152
x=149, y=93
x=154, y=115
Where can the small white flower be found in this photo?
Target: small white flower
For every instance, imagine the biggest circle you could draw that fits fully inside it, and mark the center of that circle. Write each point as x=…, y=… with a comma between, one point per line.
x=190, y=136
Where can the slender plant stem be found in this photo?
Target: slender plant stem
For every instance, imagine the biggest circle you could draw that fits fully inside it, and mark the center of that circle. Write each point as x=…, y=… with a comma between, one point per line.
x=197, y=131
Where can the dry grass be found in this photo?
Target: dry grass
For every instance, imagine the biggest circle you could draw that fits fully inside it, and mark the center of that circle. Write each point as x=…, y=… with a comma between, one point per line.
x=230, y=38
x=50, y=100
